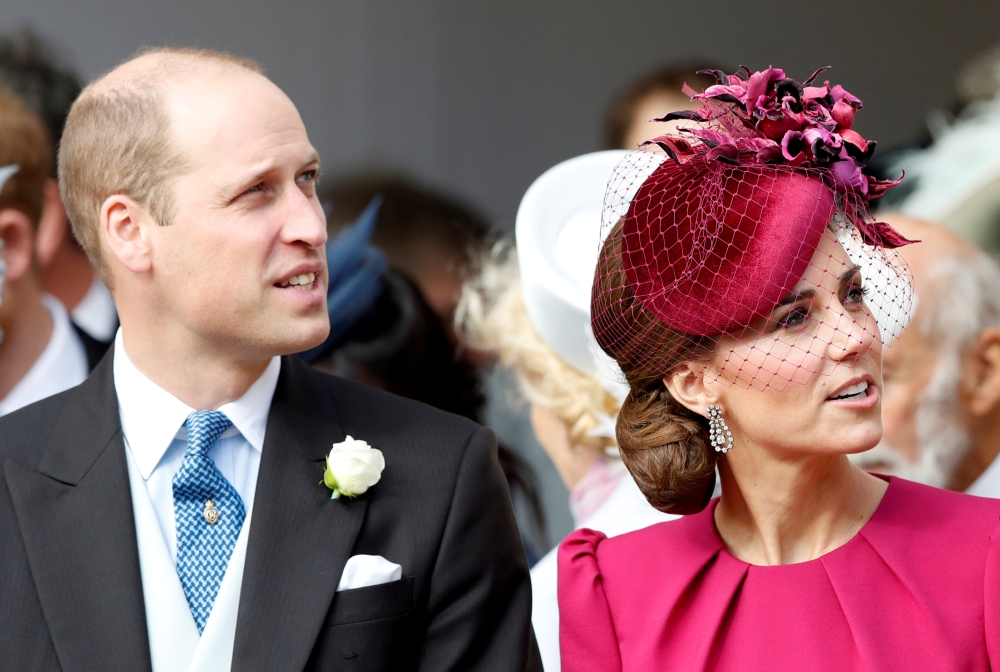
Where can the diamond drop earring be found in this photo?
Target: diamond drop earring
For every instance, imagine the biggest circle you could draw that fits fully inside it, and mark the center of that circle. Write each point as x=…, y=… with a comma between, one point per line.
x=718, y=431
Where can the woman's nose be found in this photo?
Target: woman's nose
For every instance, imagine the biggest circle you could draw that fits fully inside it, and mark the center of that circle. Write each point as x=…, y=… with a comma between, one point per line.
x=853, y=332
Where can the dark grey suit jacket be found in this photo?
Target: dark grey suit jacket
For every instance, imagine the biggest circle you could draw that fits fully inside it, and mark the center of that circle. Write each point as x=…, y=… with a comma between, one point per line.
x=70, y=589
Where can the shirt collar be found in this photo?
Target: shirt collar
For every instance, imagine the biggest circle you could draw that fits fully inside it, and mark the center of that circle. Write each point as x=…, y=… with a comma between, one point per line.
x=152, y=417
x=62, y=364
x=988, y=483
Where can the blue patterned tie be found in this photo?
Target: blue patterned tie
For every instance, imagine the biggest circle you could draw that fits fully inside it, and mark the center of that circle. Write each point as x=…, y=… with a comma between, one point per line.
x=209, y=514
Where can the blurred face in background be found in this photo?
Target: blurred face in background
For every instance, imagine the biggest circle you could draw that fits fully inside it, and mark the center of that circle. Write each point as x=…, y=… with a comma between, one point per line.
x=941, y=403
x=926, y=434
x=655, y=105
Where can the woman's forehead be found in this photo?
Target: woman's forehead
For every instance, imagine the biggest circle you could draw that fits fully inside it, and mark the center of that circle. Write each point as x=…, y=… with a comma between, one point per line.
x=828, y=265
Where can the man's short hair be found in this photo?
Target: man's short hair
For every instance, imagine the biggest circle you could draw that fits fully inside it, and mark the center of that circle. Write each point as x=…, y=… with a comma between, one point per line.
x=23, y=141
x=668, y=79
x=117, y=141
x=962, y=299
x=30, y=69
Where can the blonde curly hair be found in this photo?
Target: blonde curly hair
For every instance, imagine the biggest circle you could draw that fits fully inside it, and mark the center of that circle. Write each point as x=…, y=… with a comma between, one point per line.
x=491, y=317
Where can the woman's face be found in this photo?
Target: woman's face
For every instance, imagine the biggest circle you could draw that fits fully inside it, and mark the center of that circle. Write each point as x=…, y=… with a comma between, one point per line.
x=809, y=377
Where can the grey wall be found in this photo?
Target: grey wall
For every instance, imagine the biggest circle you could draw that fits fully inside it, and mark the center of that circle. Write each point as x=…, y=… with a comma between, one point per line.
x=481, y=97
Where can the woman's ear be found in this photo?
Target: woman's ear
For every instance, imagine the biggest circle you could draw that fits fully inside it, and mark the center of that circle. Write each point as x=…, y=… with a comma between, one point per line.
x=686, y=384
x=123, y=227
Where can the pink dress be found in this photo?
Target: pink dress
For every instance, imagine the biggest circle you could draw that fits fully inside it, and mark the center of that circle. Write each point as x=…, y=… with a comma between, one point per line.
x=917, y=588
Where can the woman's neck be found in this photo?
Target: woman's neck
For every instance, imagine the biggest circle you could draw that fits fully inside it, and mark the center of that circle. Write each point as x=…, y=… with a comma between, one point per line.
x=780, y=511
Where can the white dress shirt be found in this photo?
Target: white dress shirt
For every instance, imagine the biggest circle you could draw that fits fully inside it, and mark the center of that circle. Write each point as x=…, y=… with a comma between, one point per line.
x=96, y=313
x=155, y=440
x=62, y=365
x=153, y=425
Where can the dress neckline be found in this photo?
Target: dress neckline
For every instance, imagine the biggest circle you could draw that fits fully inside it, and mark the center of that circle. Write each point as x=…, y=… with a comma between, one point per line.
x=724, y=550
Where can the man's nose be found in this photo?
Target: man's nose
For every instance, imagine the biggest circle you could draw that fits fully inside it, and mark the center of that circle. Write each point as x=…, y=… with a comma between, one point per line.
x=303, y=220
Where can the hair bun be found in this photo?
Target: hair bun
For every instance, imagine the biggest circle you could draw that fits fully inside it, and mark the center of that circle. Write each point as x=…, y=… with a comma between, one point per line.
x=665, y=447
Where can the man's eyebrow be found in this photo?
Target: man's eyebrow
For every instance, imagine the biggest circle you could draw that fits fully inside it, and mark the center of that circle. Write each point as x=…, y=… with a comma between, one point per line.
x=225, y=193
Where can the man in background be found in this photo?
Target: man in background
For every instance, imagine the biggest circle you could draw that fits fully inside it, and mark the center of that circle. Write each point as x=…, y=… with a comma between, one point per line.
x=627, y=121
x=40, y=353
x=941, y=401
x=426, y=234
x=30, y=71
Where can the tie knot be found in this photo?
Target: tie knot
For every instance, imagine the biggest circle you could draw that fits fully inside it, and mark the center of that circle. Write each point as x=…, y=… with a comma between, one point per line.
x=204, y=428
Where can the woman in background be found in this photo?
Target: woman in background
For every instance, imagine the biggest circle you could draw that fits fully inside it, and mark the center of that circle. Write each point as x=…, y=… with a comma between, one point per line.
x=745, y=292
x=384, y=333
x=531, y=308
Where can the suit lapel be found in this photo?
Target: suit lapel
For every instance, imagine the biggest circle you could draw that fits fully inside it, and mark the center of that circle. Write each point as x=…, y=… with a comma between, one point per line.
x=75, y=516
x=299, y=539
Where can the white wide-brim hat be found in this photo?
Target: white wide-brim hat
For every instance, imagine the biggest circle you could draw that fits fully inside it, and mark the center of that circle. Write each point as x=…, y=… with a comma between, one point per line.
x=558, y=233
x=6, y=172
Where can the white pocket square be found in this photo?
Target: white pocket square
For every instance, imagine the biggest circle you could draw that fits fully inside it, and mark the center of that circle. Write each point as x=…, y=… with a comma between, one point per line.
x=368, y=570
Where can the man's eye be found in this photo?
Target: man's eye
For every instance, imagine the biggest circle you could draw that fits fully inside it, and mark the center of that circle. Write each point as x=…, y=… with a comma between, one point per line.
x=308, y=176
x=257, y=188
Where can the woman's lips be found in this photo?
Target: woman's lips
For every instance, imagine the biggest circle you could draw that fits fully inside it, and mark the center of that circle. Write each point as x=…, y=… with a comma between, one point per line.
x=867, y=397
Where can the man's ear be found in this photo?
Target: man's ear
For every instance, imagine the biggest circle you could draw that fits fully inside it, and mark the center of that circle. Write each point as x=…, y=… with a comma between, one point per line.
x=18, y=236
x=52, y=225
x=983, y=373
x=686, y=384
x=124, y=228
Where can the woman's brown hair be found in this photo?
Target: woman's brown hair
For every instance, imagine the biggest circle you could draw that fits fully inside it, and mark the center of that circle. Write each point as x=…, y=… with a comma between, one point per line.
x=664, y=445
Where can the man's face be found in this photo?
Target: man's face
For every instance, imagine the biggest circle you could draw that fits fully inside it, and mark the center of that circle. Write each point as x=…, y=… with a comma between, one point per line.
x=925, y=436
x=655, y=105
x=242, y=265
x=908, y=366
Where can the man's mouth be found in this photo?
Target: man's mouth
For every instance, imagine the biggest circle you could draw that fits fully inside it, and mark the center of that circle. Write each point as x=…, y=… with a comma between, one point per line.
x=852, y=393
x=302, y=282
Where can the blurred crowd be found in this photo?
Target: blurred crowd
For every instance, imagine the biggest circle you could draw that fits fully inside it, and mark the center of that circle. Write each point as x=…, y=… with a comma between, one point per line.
x=430, y=300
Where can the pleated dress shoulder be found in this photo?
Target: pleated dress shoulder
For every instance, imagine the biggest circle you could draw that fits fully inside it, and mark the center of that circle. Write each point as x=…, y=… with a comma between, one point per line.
x=917, y=588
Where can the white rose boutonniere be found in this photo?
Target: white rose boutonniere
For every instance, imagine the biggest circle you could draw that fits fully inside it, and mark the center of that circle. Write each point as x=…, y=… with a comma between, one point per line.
x=352, y=467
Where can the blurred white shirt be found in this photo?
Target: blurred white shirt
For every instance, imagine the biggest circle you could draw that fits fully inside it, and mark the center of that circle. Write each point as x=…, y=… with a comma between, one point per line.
x=625, y=510
x=96, y=313
x=988, y=483
x=62, y=365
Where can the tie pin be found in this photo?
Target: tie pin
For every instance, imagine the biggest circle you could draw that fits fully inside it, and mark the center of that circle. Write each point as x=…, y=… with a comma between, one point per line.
x=211, y=513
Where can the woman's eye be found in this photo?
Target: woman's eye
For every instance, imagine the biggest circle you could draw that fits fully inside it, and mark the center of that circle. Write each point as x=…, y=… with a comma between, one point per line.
x=794, y=318
x=855, y=295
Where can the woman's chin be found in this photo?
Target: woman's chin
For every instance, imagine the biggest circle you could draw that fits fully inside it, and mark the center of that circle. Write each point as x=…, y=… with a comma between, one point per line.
x=860, y=438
